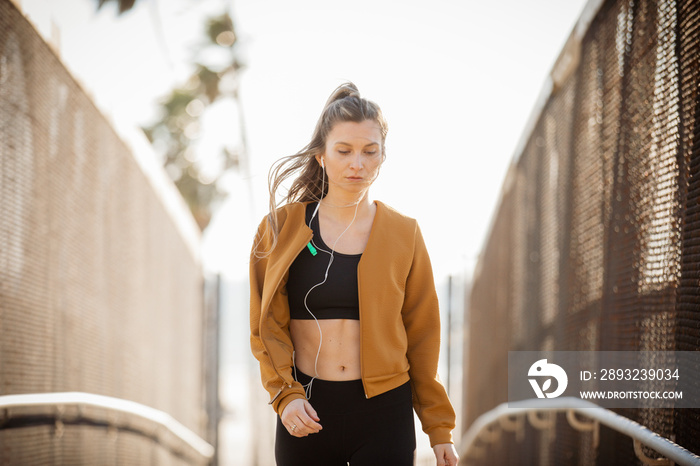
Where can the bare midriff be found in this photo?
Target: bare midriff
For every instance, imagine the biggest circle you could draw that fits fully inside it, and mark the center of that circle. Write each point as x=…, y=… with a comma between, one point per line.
x=339, y=358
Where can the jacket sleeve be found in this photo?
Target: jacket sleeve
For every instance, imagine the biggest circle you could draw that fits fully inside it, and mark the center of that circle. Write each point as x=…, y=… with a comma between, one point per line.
x=421, y=319
x=278, y=382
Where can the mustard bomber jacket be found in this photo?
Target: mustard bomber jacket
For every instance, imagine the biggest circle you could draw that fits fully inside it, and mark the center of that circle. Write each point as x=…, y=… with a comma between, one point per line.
x=399, y=317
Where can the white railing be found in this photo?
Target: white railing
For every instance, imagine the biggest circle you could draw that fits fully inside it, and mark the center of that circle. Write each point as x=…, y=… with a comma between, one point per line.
x=55, y=404
x=511, y=417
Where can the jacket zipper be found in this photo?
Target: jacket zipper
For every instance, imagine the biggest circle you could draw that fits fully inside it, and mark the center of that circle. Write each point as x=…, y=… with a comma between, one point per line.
x=362, y=362
x=279, y=392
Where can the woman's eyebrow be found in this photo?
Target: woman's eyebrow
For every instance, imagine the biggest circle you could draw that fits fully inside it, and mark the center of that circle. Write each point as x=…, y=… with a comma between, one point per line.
x=337, y=143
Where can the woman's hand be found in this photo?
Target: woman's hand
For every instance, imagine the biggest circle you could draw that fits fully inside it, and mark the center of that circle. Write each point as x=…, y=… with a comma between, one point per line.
x=300, y=418
x=446, y=454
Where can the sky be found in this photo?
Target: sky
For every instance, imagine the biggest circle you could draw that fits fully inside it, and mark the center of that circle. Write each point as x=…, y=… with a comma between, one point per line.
x=456, y=80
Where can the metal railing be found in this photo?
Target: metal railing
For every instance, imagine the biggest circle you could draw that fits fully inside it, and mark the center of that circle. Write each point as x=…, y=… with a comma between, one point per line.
x=97, y=249
x=510, y=417
x=593, y=245
x=34, y=408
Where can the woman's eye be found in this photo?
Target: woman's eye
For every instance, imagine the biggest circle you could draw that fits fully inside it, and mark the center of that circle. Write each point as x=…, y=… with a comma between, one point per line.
x=374, y=152
x=344, y=152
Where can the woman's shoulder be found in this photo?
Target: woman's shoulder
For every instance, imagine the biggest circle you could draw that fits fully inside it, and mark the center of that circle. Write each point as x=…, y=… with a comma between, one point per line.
x=283, y=212
x=286, y=218
x=395, y=217
x=294, y=212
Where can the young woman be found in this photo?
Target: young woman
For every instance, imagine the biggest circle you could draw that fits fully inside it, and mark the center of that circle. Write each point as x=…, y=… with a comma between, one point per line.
x=344, y=314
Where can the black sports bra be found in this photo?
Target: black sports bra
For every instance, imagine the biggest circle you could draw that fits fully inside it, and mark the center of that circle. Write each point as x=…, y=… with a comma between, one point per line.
x=338, y=297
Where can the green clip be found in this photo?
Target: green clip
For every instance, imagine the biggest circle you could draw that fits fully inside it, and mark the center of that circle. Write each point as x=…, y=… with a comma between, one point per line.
x=312, y=249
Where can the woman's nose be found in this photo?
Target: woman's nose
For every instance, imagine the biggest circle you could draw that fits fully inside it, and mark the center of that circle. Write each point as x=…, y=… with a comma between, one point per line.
x=357, y=162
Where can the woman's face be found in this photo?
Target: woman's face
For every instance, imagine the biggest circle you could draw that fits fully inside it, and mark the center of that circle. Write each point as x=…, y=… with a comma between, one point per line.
x=353, y=154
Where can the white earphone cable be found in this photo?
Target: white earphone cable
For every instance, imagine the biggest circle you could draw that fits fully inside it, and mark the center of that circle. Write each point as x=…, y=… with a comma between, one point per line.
x=307, y=387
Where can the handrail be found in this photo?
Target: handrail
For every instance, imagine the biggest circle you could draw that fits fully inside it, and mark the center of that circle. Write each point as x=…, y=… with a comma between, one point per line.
x=639, y=433
x=59, y=401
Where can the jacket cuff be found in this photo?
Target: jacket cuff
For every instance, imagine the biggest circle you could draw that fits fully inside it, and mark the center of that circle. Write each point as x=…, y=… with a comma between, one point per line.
x=439, y=436
x=288, y=395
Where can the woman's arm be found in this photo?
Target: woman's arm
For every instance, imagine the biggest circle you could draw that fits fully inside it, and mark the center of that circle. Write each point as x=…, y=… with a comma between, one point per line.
x=421, y=319
x=278, y=382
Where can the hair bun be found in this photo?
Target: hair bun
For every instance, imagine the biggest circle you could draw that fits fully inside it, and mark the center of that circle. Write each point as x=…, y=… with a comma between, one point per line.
x=347, y=89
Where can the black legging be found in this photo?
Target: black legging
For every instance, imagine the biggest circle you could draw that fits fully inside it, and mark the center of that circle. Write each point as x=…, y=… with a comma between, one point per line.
x=357, y=430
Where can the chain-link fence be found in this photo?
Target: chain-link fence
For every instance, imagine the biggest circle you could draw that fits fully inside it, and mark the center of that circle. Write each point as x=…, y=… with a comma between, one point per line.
x=100, y=291
x=596, y=242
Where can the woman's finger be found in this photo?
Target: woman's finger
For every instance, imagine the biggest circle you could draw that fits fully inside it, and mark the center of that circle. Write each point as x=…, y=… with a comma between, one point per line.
x=311, y=411
x=310, y=418
x=295, y=430
x=300, y=427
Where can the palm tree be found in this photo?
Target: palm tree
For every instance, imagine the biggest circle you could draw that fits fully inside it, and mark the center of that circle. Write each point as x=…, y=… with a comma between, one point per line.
x=180, y=114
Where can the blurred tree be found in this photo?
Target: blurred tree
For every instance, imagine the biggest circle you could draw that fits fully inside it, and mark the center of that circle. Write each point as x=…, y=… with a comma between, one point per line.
x=124, y=5
x=173, y=134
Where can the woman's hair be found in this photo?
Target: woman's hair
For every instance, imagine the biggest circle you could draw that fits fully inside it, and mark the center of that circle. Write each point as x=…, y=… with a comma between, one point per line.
x=344, y=104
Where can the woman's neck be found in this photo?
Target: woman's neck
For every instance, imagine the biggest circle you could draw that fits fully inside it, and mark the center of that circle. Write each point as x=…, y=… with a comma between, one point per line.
x=345, y=209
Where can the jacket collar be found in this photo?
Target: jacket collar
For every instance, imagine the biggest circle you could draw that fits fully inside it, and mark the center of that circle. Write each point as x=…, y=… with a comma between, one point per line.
x=297, y=234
